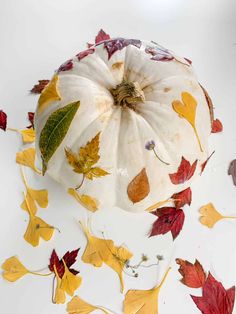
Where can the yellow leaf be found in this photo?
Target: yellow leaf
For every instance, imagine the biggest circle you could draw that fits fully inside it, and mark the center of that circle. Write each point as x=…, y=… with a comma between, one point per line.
x=38, y=228
x=29, y=205
x=27, y=158
x=187, y=110
x=28, y=135
x=60, y=296
x=79, y=306
x=13, y=269
x=209, y=215
x=87, y=201
x=95, y=172
x=139, y=187
x=40, y=197
x=99, y=251
x=143, y=301
x=49, y=94
x=70, y=282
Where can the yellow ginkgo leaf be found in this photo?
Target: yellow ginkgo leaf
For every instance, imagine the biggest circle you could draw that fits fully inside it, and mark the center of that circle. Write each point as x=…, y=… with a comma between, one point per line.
x=143, y=301
x=209, y=215
x=49, y=94
x=13, y=269
x=99, y=251
x=79, y=306
x=29, y=205
x=38, y=228
x=28, y=135
x=27, y=158
x=60, y=296
x=87, y=201
x=70, y=282
x=187, y=110
x=40, y=197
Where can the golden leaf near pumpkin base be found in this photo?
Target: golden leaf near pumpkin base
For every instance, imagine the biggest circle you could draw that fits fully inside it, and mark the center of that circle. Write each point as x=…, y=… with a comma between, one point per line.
x=143, y=301
x=187, y=110
x=49, y=94
x=99, y=251
x=27, y=158
x=79, y=306
x=139, y=187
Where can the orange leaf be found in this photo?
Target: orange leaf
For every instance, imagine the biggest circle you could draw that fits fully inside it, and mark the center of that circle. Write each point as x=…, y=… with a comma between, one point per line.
x=193, y=274
x=139, y=187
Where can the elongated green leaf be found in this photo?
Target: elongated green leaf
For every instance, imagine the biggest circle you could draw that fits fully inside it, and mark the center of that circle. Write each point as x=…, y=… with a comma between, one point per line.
x=55, y=130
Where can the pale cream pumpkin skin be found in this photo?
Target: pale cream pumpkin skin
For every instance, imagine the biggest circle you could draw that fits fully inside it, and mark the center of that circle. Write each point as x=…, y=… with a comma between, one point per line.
x=140, y=144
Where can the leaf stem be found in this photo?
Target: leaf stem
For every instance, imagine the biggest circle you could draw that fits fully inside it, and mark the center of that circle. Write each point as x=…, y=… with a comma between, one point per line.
x=23, y=177
x=164, y=278
x=159, y=157
x=230, y=217
x=198, y=139
x=12, y=129
x=53, y=289
x=158, y=204
x=42, y=275
x=81, y=183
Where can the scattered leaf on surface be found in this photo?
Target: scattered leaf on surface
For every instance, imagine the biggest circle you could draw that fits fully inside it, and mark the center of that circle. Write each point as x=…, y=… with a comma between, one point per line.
x=27, y=158
x=28, y=135
x=79, y=306
x=116, y=44
x=70, y=282
x=217, y=126
x=143, y=301
x=139, y=187
x=184, y=173
x=69, y=258
x=215, y=298
x=193, y=274
x=59, y=295
x=169, y=219
x=38, y=88
x=13, y=269
x=49, y=94
x=182, y=198
x=3, y=120
x=203, y=166
x=209, y=215
x=187, y=110
x=101, y=36
x=232, y=170
x=87, y=201
x=55, y=130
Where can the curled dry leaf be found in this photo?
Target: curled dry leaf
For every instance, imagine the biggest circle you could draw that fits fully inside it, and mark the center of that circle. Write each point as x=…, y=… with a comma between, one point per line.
x=184, y=173
x=139, y=187
x=232, y=170
x=217, y=126
x=49, y=94
x=169, y=219
x=3, y=120
x=38, y=88
x=143, y=301
x=193, y=274
x=187, y=110
x=182, y=198
x=87, y=201
x=13, y=269
x=27, y=158
x=215, y=298
x=79, y=306
x=99, y=251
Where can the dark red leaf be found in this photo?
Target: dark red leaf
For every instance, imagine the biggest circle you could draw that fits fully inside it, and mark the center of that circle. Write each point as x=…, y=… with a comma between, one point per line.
x=188, y=60
x=3, y=120
x=38, y=88
x=169, y=219
x=184, y=173
x=70, y=257
x=31, y=120
x=217, y=126
x=54, y=261
x=118, y=44
x=193, y=274
x=85, y=53
x=232, y=170
x=203, y=166
x=89, y=45
x=101, y=36
x=159, y=54
x=182, y=198
x=215, y=298
x=66, y=66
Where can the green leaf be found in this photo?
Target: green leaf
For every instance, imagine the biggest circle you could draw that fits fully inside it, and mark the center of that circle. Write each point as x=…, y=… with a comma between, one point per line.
x=55, y=130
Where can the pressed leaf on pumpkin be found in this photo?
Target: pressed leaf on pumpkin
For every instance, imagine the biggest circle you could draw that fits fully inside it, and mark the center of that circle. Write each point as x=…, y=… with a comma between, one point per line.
x=99, y=251
x=187, y=110
x=79, y=306
x=116, y=44
x=38, y=88
x=143, y=301
x=217, y=126
x=203, y=166
x=184, y=173
x=182, y=198
x=139, y=187
x=87, y=201
x=31, y=120
x=193, y=274
x=66, y=66
x=27, y=158
x=3, y=120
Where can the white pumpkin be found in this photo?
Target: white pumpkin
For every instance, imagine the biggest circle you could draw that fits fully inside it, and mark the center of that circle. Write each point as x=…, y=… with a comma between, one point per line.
x=131, y=96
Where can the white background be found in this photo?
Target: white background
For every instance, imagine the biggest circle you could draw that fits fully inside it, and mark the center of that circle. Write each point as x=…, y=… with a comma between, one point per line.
x=35, y=38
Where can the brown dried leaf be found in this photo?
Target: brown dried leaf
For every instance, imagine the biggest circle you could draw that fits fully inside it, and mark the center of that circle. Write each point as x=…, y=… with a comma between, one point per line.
x=139, y=187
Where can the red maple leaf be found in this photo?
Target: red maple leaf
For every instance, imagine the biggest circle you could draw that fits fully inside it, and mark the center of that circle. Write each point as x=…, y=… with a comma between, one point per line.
x=118, y=44
x=101, y=36
x=182, y=198
x=203, y=166
x=159, y=54
x=66, y=66
x=85, y=53
x=31, y=120
x=169, y=219
x=69, y=258
x=217, y=126
x=184, y=172
x=3, y=120
x=193, y=274
x=38, y=88
x=215, y=298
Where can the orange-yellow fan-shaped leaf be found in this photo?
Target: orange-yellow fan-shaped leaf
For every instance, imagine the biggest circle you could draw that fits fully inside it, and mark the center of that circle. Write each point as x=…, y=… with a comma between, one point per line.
x=79, y=306
x=27, y=158
x=13, y=269
x=87, y=201
x=99, y=251
x=187, y=110
x=143, y=301
x=32, y=196
x=49, y=94
x=209, y=215
x=28, y=135
x=70, y=282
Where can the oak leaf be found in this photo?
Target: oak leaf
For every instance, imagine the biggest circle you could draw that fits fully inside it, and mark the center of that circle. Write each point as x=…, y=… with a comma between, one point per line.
x=79, y=306
x=27, y=158
x=182, y=198
x=139, y=187
x=184, y=173
x=169, y=219
x=13, y=269
x=38, y=88
x=193, y=274
x=49, y=94
x=3, y=120
x=187, y=110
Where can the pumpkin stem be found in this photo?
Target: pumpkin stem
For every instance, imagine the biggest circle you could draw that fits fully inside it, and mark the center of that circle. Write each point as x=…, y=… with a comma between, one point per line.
x=127, y=94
